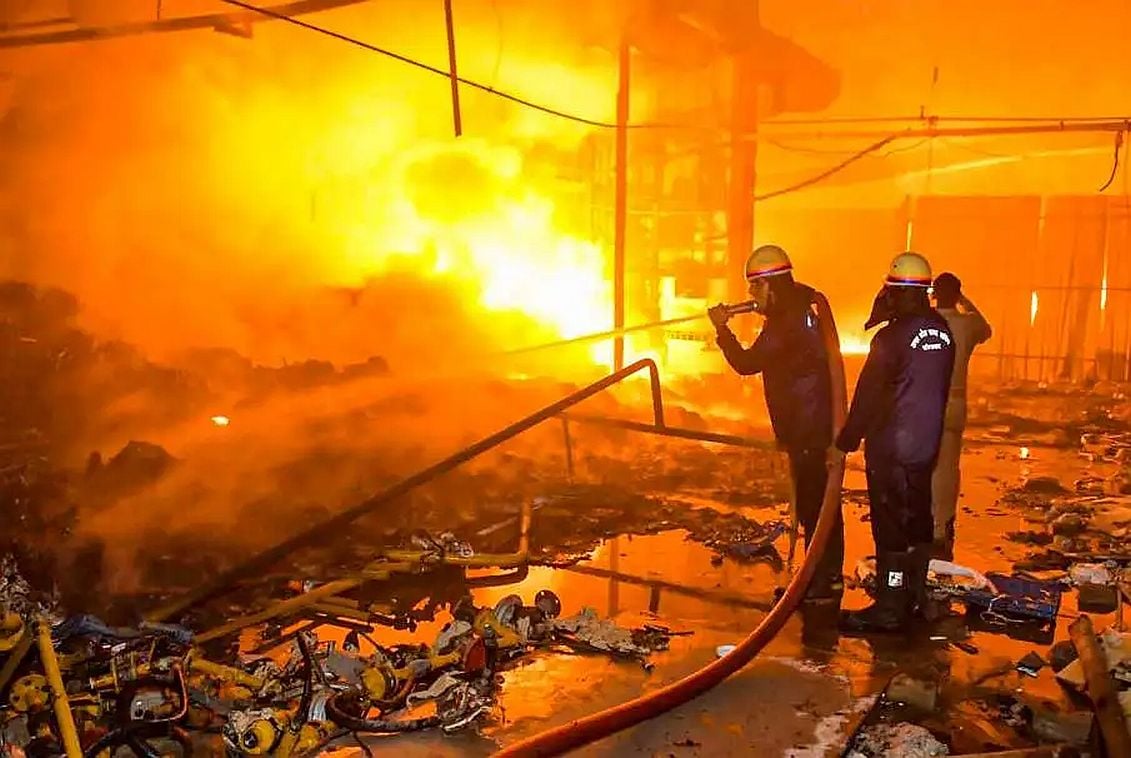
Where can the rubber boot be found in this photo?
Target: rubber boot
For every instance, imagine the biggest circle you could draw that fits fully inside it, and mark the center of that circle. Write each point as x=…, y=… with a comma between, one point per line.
x=919, y=604
x=889, y=612
x=825, y=588
x=943, y=547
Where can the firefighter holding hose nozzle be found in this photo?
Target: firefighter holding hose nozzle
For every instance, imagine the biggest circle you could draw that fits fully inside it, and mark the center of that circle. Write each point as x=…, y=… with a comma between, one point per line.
x=790, y=354
x=898, y=410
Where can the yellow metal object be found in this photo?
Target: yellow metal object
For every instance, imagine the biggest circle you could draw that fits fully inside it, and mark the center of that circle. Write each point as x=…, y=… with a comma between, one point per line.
x=29, y=693
x=504, y=635
x=341, y=611
x=63, y=716
x=15, y=658
x=379, y=682
x=312, y=734
x=11, y=631
x=225, y=673
x=481, y=560
x=113, y=680
x=260, y=737
x=439, y=661
x=284, y=608
x=235, y=693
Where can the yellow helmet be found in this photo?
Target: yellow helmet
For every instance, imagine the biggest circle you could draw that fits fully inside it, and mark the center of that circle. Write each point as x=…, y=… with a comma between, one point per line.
x=767, y=260
x=909, y=270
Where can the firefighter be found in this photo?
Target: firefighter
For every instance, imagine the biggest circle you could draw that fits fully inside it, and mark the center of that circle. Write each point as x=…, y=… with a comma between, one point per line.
x=897, y=410
x=969, y=328
x=791, y=356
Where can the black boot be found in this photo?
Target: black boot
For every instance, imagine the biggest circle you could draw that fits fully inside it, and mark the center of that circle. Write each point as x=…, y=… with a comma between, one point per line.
x=919, y=604
x=889, y=612
x=943, y=547
x=825, y=588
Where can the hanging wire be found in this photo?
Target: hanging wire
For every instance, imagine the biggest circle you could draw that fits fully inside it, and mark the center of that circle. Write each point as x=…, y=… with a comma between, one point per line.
x=1114, y=162
x=434, y=70
x=830, y=171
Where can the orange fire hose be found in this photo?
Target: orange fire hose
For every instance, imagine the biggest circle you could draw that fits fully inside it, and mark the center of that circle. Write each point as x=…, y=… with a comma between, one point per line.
x=604, y=723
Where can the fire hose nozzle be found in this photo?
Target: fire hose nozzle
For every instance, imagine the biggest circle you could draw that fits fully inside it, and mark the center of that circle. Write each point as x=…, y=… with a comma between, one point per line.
x=747, y=307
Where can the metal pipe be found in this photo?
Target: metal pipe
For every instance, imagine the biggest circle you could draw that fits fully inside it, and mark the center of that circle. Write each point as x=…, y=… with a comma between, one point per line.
x=671, y=431
x=176, y=24
x=15, y=658
x=620, y=217
x=282, y=608
x=1100, y=125
x=480, y=560
x=62, y=706
x=720, y=597
x=456, y=118
x=226, y=673
x=222, y=584
x=568, y=449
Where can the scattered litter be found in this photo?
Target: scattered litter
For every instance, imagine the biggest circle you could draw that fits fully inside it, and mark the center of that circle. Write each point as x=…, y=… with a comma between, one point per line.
x=1044, y=485
x=1069, y=524
x=1097, y=598
x=904, y=740
x=1031, y=664
x=939, y=569
x=1090, y=573
x=588, y=632
x=150, y=682
x=1016, y=598
x=1061, y=654
x=445, y=544
x=916, y=692
x=1117, y=649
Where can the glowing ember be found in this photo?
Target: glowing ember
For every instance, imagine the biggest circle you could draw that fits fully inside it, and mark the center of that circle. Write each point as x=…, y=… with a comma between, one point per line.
x=1024, y=453
x=221, y=420
x=1034, y=303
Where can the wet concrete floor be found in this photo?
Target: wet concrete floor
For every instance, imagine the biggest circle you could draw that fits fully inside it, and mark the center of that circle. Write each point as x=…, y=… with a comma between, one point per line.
x=808, y=690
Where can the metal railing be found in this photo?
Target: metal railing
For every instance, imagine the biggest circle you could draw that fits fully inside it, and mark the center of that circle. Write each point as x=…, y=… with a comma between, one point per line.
x=227, y=580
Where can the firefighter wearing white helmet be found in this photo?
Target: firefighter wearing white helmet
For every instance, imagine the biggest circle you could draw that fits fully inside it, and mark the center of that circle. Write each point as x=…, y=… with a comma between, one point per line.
x=790, y=354
x=898, y=411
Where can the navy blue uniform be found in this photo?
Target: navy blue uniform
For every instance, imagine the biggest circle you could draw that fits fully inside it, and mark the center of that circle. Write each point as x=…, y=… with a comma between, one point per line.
x=791, y=356
x=898, y=411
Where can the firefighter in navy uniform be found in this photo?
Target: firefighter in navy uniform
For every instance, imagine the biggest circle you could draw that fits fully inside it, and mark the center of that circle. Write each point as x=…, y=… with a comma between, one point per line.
x=898, y=411
x=791, y=356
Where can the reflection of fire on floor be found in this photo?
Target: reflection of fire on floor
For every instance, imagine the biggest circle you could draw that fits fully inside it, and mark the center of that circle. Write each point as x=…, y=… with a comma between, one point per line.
x=678, y=538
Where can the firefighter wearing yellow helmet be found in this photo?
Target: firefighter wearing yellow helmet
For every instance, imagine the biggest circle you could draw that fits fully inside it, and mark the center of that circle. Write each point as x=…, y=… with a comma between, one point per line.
x=790, y=354
x=898, y=411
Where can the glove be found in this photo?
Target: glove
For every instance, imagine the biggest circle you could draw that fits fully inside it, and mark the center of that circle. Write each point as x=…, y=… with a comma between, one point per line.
x=719, y=315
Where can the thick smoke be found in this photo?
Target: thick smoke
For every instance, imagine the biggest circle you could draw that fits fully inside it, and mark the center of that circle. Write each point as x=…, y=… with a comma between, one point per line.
x=284, y=198
x=204, y=189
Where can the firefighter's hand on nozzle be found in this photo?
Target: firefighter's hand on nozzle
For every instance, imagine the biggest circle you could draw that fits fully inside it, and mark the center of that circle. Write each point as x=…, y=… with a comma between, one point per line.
x=720, y=315
x=835, y=457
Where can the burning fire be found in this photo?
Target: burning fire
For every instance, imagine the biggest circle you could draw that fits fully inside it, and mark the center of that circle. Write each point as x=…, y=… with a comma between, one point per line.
x=221, y=420
x=1034, y=305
